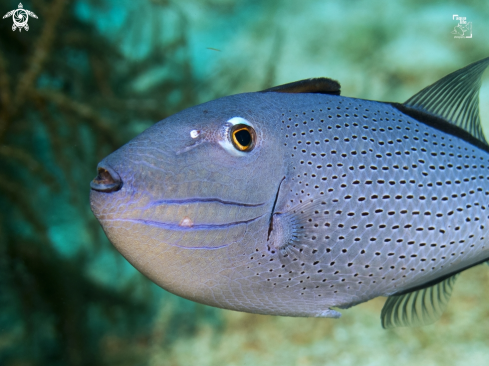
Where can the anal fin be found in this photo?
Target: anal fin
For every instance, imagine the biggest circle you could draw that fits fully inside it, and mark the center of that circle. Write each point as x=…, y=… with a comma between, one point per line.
x=417, y=308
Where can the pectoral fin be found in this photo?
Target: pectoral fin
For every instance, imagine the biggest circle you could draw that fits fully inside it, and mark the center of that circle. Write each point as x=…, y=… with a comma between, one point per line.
x=291, y=227
x=417, y=308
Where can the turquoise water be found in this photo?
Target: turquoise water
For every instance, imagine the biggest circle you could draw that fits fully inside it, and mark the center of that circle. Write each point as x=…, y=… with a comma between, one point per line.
x=113, y=68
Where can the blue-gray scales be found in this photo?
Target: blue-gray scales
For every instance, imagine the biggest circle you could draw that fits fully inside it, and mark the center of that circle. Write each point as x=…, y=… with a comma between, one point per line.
x=295, y=199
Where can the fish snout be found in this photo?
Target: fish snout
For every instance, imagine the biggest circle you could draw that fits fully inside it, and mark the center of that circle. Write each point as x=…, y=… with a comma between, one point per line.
x=107, y=180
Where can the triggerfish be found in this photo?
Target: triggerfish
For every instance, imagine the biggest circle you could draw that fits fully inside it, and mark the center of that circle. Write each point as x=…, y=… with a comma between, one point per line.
x=294, y=200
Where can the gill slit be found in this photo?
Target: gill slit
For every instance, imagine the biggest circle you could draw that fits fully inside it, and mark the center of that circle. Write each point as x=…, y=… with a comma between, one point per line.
x=270, y=221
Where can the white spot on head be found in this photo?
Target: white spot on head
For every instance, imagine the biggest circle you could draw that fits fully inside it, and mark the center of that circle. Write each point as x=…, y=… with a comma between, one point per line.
x=186, y=222
x=194, y=134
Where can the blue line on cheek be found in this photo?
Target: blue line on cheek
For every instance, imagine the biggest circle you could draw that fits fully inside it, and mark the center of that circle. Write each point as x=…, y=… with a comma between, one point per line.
x=200, y=200
x=197, y=248
x=195, y=227
x=176, y=227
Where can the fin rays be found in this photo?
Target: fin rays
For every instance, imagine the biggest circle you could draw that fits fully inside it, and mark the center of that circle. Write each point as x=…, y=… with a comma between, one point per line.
x=417, y=308
x=455, y=98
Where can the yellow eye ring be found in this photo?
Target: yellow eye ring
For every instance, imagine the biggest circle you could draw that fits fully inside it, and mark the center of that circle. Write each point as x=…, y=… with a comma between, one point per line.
x=243, y=137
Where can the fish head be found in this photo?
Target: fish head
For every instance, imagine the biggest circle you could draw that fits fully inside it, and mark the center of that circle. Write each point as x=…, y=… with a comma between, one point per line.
x=189, y=199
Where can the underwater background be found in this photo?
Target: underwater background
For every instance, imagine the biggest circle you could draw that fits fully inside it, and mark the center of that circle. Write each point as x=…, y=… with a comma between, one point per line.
x=89, y=75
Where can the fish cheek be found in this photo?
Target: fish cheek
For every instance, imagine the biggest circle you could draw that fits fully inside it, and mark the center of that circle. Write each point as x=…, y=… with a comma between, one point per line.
x=183, y=271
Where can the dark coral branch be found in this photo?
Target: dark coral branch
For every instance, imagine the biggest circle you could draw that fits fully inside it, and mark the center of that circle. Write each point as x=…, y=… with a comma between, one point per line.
x=40, y=55
x=81, y=109
x=24, y=158
x=5, y=95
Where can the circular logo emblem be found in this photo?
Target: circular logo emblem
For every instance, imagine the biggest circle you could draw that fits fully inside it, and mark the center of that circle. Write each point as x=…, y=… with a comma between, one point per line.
x=20, y=18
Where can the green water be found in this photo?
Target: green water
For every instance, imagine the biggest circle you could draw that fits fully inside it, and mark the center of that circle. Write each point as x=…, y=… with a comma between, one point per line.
x=89, y=75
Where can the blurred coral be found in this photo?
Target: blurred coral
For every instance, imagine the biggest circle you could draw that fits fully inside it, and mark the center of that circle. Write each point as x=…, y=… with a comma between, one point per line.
x=66, y=100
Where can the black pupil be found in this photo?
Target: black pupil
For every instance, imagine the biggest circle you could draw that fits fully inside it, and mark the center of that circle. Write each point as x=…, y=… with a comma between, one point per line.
x=243, y=137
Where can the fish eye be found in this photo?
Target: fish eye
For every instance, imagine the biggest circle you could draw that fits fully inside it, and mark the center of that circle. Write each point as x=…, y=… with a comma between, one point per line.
x=238, y=136
x=243, y=137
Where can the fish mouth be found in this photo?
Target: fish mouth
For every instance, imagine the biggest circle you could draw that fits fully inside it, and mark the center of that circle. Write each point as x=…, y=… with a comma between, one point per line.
x=107, y=180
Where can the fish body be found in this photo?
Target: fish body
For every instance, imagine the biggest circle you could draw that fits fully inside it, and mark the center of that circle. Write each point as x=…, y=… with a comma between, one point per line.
x=289, y=202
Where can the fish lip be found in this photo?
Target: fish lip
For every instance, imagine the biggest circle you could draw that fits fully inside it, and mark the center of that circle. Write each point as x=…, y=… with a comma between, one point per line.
x=107, y=179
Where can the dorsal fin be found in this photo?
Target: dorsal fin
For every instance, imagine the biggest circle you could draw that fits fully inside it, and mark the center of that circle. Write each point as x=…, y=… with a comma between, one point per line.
x=419, y=307
x=454, y=98
x=314, y=85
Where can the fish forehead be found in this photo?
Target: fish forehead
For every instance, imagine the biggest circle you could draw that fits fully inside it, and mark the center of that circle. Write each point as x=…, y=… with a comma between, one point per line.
x=405, y=202
x=165, y=158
